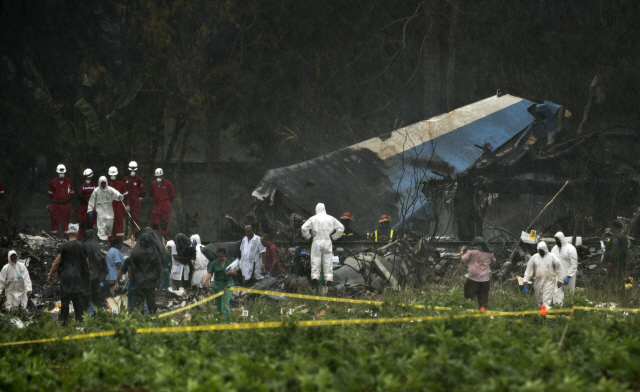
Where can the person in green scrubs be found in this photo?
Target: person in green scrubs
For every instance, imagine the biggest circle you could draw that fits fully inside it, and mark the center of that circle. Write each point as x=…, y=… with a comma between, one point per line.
x=221, y=279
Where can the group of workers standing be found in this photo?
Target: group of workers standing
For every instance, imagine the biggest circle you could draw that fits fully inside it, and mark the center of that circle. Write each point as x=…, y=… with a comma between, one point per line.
x=553, y=273
x=104, y=204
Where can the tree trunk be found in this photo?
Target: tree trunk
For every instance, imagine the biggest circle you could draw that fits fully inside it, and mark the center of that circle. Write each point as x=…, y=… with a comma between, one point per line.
x=431, y=61
x=453, y=29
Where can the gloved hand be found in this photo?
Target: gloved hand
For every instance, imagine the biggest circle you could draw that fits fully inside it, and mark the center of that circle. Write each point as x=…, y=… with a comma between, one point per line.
x=312, y=237
x=128, y=208
x=140, y=198
x=566, y=280
x=48, y=207
x=526, y=288
x=90, y=214
x=120, y=197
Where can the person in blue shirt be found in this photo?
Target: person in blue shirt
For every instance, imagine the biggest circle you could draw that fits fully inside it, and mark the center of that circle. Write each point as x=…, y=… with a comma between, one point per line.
x=114, y=262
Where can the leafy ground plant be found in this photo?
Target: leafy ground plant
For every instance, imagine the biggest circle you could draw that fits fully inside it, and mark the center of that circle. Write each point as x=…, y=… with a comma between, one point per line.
x=600, y=350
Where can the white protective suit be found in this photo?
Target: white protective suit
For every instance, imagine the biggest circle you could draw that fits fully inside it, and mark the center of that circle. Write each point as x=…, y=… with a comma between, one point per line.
x=322, y=226
x=200, y=264
x=547, y=271
x=101, y=202
x=568, y=255
x=15, y=280
x=251, y=257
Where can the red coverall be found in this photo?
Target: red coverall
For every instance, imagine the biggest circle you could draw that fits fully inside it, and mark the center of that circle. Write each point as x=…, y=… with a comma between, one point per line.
x=1, y=191
x=118, y=210
x=60, y=194
x=136, y=189
x=84, y=194
x=163, y=194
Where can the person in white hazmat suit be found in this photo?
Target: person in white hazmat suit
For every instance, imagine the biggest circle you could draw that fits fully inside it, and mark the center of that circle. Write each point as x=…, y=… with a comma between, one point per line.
x=16, y=283
x=548, y=272
x=568, y=255
x=323, y=228
x=200, y=264
x=101, y=202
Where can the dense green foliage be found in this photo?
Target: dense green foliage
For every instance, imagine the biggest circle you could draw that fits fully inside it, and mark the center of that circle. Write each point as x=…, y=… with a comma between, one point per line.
x=601, y=351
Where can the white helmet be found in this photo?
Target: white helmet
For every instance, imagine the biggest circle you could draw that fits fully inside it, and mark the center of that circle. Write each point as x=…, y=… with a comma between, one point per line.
x=88, y=173
x=61, y=169
x=113, y=171
x=133, y=166
x=159, y=172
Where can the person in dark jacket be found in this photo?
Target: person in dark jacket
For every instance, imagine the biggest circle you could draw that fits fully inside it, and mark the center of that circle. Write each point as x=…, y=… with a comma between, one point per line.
x=72, y=265
x=615, y=256
x=98, y=269
x=146, y=266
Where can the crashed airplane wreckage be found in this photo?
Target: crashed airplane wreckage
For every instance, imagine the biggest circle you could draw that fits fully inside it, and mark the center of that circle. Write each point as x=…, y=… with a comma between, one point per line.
x=487, y=168
x=394, y=174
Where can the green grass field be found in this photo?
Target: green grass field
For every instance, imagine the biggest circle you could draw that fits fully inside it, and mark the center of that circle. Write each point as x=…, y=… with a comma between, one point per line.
x=601, y=351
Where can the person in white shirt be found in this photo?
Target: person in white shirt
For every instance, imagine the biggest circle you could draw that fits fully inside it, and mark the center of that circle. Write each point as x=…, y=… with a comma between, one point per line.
x=251, y=250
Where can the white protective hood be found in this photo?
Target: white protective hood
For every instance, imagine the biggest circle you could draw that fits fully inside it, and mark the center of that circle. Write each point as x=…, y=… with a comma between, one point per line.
x=200, y=264
x=543, y=245
x=563, y=240
x=320, y=209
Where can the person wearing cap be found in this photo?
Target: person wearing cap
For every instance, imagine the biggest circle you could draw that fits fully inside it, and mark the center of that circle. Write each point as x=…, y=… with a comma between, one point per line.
x=101, y=202
x=384, y=232
x=61, y=192
x=222, y=277
x=84, y=194
x=163, y=194
x=136, y=192
x=15, y=282
x=118, y=206
x=72, y=265
x=349, y=234
x=615, y=256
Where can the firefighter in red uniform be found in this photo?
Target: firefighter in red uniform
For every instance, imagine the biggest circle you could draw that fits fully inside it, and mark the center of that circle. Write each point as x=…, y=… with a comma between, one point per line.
x=60, y=192
x=118, y=207
x=84, y=194
x=137, y=191
x=163, y=194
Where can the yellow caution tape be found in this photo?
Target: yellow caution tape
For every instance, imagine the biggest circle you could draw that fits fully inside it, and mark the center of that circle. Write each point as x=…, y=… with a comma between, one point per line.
x=328, y=299
x=318, y=323
x=190, y=306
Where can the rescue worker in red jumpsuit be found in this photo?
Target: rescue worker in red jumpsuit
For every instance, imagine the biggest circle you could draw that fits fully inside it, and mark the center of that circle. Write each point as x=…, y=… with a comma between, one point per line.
x=137, y=192
x=1, y=190
x=118, y=207
x=163, y=194
x=61, y=192
x=84, y=194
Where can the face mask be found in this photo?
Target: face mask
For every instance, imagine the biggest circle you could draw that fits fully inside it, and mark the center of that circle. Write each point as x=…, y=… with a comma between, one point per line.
x=88, y=181
x=61, y=176
x=159, y=179
x=113, y=178
x=133, y=174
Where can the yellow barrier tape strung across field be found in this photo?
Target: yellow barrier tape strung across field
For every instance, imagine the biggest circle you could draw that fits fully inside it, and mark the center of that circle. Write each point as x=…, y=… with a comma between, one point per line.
x=318, y=323
x=330, y=299
x=190, y=306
